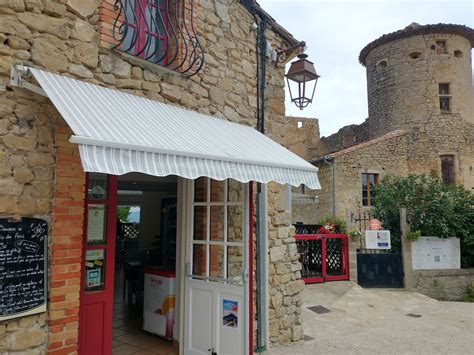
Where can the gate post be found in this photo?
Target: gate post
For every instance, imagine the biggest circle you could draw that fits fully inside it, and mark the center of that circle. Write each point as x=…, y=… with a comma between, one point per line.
x=406, y=251
x=353, y=244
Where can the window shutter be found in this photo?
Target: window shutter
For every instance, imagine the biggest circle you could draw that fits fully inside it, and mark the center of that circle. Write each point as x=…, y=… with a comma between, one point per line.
x=447, y=169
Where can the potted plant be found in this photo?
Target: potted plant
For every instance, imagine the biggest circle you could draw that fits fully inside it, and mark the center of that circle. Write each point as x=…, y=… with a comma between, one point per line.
x=354, y=234
x=331, y=225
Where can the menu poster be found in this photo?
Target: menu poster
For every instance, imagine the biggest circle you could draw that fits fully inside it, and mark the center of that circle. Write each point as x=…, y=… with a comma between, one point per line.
x=23, y=248
x=96, y=224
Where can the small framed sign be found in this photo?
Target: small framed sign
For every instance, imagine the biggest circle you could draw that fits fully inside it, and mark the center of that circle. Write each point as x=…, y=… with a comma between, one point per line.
x=377, y=239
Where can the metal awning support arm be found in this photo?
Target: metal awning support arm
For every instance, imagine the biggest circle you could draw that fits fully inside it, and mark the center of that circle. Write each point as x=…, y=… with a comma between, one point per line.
x=18, y=74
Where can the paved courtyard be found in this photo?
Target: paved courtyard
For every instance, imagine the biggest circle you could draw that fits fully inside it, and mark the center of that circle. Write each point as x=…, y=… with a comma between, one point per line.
x=376, y=321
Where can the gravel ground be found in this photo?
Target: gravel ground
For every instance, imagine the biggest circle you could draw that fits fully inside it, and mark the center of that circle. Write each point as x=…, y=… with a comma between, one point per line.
x=382, y=321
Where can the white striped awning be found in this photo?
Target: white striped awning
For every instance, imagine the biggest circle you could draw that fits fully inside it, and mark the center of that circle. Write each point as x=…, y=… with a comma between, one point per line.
x=118, y=133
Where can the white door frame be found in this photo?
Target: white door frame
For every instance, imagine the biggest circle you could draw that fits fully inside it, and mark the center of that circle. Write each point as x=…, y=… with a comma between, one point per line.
x=185, y=230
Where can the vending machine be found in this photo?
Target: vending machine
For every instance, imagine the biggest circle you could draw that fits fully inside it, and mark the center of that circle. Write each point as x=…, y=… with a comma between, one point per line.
x=159, y=302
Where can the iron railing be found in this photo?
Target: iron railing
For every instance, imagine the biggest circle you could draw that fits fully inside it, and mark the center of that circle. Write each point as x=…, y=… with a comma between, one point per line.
x=159, y=31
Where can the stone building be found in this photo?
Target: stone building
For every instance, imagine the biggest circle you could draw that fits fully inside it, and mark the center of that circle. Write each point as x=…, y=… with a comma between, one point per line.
x=42, y=169
x=421, y=117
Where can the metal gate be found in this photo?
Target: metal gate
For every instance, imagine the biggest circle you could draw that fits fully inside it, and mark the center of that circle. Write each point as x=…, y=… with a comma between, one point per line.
x=324, y=257
x=377, y=268
x=380, y=270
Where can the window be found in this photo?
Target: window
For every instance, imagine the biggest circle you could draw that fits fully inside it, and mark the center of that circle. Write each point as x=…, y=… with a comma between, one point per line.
x=458, y=54
x=415, y=55
x=161, y=32
x=441, y=47
x=444, y=98
x=381, y=65
x=147, y=23
x=369, y=181
x=447, y=168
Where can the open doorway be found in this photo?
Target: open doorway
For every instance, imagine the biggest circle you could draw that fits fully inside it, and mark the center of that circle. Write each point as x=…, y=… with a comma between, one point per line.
x=146, y=283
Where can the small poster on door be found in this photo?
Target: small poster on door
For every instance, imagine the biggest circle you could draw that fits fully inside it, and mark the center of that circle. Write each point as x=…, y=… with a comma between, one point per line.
x=96, y=224
x=93, y=278
x=230, y=311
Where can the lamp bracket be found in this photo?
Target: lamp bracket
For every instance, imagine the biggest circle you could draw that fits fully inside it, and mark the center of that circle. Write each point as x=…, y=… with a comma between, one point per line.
x=284, y=53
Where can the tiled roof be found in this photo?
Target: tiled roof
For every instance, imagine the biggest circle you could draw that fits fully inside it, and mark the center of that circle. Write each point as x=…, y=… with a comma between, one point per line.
x=390, y=135
x=415, y=29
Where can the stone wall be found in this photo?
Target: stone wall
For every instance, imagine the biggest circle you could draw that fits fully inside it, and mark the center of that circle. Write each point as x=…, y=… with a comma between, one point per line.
x=382, y=157
x=284, y=272
x=444, y=285
x=346, y=137
x=403, y=93
x=63, y=36
x=298, y=134
x=25, y=335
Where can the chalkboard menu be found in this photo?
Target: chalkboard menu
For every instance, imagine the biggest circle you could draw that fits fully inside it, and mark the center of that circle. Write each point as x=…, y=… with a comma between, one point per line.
x=23, y=254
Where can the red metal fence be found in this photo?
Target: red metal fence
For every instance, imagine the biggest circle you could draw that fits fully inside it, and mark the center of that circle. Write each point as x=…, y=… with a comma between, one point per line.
x=324, y=257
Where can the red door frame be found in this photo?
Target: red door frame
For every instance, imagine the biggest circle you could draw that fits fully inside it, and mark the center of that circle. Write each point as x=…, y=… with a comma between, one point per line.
x=106, y=296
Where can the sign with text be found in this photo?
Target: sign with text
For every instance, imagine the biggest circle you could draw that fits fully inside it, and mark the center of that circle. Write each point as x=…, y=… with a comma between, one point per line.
x=377, y=239
x=431, y=253
x=23, y=255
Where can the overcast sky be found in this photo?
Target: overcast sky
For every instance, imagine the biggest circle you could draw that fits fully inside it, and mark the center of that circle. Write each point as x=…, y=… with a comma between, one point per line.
x=335, y=31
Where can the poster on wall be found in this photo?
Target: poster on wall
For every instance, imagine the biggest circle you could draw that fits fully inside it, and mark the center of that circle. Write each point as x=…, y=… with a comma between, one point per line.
x=377, y=239
x=23, y=256
x=230, y=311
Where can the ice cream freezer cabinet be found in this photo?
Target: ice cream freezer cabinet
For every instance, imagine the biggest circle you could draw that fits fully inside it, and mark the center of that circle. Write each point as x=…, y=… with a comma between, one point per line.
x=159, y=302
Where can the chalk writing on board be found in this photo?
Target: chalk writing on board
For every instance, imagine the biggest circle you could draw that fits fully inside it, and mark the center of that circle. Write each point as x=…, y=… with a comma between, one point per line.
x=23, y=247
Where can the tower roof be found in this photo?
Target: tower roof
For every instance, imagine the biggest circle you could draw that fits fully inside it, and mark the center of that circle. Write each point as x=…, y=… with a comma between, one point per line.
x=415, y=29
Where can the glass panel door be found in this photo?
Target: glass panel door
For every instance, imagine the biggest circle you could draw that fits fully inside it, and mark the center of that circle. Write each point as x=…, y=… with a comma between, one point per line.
x=218, y=221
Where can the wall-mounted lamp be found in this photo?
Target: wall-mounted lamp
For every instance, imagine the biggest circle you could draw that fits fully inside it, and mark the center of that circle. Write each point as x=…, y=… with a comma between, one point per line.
x=303, y=78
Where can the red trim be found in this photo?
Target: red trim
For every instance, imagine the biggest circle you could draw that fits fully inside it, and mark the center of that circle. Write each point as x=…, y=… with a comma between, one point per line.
x=313, y=280
x=345, y=260
x=251, y=257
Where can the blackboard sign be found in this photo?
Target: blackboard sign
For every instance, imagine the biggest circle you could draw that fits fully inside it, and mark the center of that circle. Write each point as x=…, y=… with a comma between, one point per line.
x=23, y=254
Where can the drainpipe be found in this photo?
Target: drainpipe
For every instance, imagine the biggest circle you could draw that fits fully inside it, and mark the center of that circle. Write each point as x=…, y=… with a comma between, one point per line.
x=261, y=265
x=261, y=269
x=330, y=161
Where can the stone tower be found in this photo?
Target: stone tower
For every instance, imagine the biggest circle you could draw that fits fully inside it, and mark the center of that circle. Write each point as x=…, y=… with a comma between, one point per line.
x=419, y=76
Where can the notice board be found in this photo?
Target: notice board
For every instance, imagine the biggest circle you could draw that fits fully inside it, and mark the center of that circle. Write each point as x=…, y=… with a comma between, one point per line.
x=23, y=255
x=433, y=253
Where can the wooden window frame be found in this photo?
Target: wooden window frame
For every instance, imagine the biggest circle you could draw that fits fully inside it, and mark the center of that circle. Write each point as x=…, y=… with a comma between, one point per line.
x=448, y=168
x=370, y=199
x=444, y=97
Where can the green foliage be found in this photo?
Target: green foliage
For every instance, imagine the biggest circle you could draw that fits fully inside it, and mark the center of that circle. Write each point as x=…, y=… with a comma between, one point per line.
x=413, y=236
x=468, y=293
x=123, y=212
x=433, y=208
x=339, y=222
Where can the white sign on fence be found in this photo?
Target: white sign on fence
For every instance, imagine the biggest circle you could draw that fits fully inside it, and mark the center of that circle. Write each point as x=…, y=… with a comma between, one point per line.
x=431, y=253
x=377, y=239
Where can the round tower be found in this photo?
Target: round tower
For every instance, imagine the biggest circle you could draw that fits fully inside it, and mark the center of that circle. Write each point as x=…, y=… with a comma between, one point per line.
x=419, y=75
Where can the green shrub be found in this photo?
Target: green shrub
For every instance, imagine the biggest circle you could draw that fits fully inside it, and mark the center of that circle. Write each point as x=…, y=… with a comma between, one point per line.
x=468, y=293
x=433, y=208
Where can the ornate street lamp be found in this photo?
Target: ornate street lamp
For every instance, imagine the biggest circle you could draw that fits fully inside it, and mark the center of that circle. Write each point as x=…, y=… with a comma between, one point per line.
x=303, y=79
